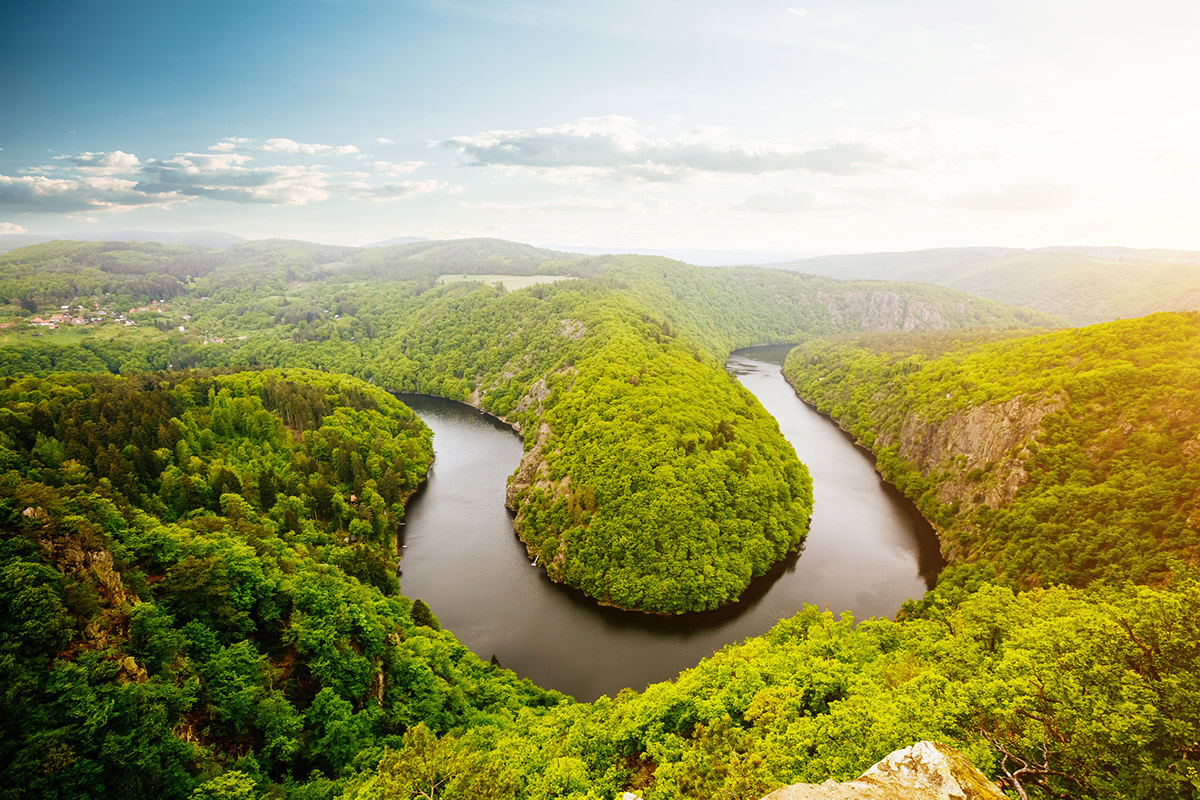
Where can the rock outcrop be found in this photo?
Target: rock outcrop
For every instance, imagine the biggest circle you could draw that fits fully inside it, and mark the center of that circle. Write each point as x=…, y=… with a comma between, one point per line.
x=882, y=310
x=990, y=438
x=925, y=771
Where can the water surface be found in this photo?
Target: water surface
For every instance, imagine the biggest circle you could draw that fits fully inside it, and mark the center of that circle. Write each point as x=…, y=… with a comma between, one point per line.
x=867, y=552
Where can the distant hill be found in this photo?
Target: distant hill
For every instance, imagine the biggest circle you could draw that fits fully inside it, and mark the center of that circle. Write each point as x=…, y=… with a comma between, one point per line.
x=1081, y=284
x=469, y=256
x=699, y=257
x=398, y=240
x=215, y=239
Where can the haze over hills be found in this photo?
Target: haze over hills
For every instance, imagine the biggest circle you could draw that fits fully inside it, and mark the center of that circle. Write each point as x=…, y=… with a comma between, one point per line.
x=220, y=239
x=398, y=240
x=216, y=239
x=1081, y=284
x=1078, y=284
x=699, y=257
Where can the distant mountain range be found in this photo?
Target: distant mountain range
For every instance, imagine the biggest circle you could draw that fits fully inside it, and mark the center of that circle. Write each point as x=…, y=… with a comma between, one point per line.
x=398, y=240
x=219, y=239
x=1080, y=284
x=215, y=239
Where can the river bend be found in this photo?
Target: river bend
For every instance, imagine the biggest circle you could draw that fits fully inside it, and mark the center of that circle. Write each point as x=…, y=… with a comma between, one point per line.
x=867, y=552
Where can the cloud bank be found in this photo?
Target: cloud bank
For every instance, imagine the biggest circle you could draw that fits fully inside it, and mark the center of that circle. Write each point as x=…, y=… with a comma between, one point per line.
x=615, y=147
x=119, y=181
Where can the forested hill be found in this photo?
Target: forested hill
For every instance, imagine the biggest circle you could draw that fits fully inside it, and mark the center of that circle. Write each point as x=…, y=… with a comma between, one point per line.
x=726, y=309
x=1080, y=284
x=614, y=376
x=216, y=239
x=1064, y=457
x=200, y=567
x=50, y=274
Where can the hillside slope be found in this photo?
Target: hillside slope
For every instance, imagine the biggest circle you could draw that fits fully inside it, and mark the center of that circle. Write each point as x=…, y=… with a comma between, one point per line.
x=1070, y=457
x=199, y=569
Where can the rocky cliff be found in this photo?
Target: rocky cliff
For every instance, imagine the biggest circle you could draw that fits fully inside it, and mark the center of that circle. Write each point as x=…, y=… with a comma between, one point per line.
x=925, y=771
x=977, y=453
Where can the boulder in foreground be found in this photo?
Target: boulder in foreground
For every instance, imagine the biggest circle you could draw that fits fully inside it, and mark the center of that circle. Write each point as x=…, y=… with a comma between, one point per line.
x=925, y=771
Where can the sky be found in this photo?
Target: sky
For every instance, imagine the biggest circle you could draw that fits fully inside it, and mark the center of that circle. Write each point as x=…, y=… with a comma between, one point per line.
x=832, y=126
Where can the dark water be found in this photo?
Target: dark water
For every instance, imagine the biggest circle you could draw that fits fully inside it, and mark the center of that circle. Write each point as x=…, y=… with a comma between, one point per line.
x=868, y=551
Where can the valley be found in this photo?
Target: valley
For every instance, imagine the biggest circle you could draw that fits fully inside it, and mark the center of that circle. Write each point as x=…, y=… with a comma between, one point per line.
x=867, y=552
x=200, y=518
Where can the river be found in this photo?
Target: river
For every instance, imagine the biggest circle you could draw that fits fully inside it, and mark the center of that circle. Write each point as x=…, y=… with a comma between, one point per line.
x=867, y=552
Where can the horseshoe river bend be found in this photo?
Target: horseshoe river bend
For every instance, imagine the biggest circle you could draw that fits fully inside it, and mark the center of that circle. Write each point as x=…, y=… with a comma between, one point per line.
x=868, y=550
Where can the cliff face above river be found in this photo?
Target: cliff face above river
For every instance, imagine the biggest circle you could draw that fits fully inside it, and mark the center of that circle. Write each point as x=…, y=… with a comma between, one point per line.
x=975, y=457
x=1062, y=457
x=971, y=458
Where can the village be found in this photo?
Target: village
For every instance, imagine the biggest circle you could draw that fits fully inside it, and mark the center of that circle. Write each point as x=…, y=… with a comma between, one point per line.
x=98, y=315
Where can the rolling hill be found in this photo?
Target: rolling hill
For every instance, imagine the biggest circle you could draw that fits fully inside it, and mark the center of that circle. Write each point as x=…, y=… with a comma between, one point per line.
x=1080, y=284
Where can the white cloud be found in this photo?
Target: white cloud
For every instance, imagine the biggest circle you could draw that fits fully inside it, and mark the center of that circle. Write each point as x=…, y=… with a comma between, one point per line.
x=614, y=147
x=297, y=148
x=1018, y=197
x=395, y=191
x=284, y=146
x=115, y=163
x=391, y=169
x=37, y=193
x=117, y=181
x=11, y=227
x=223, y=177
x=293, y=147
x=383, y=140
x=231, y=143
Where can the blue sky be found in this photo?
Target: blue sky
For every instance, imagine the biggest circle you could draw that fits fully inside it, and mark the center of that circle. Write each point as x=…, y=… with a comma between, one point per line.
x=811, y=127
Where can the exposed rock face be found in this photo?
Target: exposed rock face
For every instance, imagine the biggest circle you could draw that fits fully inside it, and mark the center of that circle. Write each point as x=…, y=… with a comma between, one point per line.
x=925, y=771
x=94, y=564
x=880, y=311
x=990, y=438
x=531, y=471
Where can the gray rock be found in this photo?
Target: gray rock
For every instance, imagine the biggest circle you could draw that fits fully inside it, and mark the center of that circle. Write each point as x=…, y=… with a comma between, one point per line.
x=925, y=771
